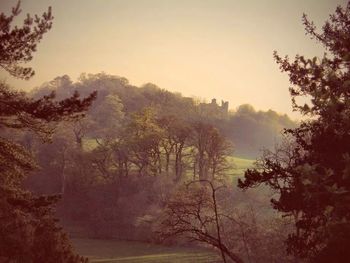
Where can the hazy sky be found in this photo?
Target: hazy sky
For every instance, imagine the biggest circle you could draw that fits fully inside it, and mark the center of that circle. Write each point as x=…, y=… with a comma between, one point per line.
x=202, y=48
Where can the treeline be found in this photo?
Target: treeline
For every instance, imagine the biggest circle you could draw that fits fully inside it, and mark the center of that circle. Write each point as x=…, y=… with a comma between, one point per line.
x=249, y=130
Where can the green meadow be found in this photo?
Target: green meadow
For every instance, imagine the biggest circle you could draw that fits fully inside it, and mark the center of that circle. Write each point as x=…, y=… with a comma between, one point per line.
x=116, y=251
x=239, y=165
x=110, y=251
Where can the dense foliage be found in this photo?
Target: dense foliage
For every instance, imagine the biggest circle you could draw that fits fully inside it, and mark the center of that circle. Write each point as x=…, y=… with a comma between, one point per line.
x=28, y=230
x=248, y=129
x=310, y=171
x=18, y=43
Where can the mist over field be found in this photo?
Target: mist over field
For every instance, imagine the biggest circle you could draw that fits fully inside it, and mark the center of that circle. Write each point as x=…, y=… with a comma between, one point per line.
x=170, y=131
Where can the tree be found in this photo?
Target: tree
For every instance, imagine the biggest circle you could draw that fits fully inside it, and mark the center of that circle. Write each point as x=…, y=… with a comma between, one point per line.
x=210, y=150
x=194, y=212
x=26, y=220
x=176, y=134
x=217, y=150
x=38, y=115
x=201, y=135
x=311, y=171
x=17, y=44
x=144, y=136
x=28, y=230
x=167, y=143
x=181, y=133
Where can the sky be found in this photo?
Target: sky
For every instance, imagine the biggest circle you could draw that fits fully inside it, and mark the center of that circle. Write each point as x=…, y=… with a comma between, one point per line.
x=202, y=48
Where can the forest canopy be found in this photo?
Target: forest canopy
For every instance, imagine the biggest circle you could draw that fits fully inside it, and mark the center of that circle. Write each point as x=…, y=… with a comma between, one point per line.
x=250, y=130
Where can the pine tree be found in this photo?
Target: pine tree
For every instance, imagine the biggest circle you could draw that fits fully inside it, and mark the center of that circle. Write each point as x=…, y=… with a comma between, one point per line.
x=28, y=230
x=311, y=172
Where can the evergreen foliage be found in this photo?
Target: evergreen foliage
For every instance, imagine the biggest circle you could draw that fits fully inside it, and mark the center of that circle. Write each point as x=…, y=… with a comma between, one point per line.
x=28, y=230
x=311, y=170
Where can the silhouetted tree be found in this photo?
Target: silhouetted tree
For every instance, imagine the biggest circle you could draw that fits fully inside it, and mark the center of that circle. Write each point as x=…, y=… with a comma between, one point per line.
x=28, y=230
x=17, y=44
x=311, y=172
x=195, y=213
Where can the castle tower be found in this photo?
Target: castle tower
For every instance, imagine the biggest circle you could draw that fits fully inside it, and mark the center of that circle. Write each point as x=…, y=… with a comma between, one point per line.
x=224, y=106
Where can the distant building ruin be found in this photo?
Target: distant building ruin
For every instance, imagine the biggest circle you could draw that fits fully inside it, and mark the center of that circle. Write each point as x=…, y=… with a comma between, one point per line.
x=224, y=106
x=214, y=110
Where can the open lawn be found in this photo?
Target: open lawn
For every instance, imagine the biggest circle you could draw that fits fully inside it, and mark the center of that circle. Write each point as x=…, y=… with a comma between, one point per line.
x=239, y=165
x=115, y=251
x=109, y=251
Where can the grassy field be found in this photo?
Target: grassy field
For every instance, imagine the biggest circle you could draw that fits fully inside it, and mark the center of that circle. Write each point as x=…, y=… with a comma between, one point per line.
x=239, y=165
x=115, y=251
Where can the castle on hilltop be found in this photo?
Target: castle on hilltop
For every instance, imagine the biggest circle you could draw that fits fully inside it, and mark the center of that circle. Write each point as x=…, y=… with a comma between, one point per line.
x=214, y=110
x=223, y=107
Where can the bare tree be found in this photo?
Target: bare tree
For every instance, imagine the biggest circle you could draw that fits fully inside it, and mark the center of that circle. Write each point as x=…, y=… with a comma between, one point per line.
x=194, y=212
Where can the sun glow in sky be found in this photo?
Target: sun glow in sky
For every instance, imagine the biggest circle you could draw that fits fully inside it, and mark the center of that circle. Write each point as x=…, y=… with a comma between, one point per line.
x=204, y=48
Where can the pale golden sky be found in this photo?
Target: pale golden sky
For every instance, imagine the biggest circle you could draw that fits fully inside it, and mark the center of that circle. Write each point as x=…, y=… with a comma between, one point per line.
x=202, y=48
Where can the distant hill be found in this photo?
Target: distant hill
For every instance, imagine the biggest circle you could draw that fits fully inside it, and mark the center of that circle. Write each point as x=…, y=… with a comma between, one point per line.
x=248, y=129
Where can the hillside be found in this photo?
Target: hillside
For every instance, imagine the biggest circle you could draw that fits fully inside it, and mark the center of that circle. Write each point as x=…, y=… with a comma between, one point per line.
x=248, y=129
